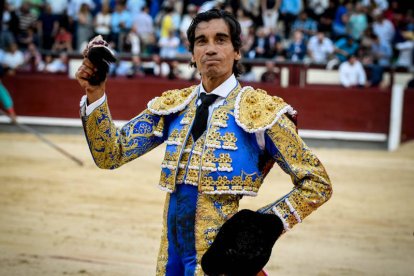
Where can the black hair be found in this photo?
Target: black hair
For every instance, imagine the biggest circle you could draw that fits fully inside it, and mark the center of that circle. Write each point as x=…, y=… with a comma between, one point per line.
x=234, y=27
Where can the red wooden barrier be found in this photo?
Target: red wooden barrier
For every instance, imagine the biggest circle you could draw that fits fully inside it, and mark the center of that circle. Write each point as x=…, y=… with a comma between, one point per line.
x=320, y=107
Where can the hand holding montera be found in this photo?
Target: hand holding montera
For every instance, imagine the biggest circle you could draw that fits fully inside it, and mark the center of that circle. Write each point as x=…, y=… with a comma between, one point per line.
x=91, y=75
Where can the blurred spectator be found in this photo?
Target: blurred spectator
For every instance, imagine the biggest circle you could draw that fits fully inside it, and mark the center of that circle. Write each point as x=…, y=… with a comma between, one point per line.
x=32, y=59
x=245, y=22
x=306, y=25
x=160, y=68
x=289, y=11
x=58, y=7
x=326, y=19
x=320, y=48
x=13, y=59
x=297, y=48
x=175, y=72
x=30, y=36
x=74, y=7
x=10, y=26
x=132, y=43
x=27, y=20
x=341, y=19
x=248, y=42
x=169, y=45
x=351, y=73
x=121, y=23
x=272, y=74
x=15, y=4
x=270, y=13
x=261, y=45
x=358, y=22
x=63, y=40
x=208, y=5
x=278, y=51
x=167, y=22
x=85, y=27
x=102, y=22
x=135, y=6
x=380, y=5
x=381, y=51
x=383, y=28
x=47, y=27
x=143, y=24
x=345, y=47
x=187, y=19
x=253, y=7
x=58, y=65
x=316, y=8
x=35, y=6
x=406, y=51
x=248, y=74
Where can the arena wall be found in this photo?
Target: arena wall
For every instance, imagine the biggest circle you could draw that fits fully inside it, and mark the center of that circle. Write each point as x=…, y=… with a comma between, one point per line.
x=320, y=107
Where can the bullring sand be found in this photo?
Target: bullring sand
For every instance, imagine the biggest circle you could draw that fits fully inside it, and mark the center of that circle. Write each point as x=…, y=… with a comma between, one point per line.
x=57, y=218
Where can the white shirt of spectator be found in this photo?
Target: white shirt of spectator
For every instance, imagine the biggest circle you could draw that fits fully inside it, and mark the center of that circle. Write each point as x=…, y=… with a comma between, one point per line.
x=56, y=66
x=58, y=6
x=143, y=24
x=13, y=60
x=384, y=30
x=135, y=6
x=352, y=74
x=320, y=51
x=74, y=7
x=318, y=6
x=103, y=23
x=405, y=57
x=16, y=4
x=169, y=46
x=380, y=4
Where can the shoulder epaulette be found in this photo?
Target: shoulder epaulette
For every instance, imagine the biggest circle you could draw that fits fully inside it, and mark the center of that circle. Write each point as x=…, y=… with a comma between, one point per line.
x=255, y=110
x=172, y=101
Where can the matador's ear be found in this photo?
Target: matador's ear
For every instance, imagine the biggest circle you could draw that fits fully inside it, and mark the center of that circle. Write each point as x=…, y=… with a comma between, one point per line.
x=101, y=56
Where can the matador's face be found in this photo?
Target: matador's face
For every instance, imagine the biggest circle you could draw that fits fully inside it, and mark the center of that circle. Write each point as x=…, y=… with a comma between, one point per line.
x=214, y=53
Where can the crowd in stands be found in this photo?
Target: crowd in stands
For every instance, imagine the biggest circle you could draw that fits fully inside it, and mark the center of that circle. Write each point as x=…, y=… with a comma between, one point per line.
x=375, y=34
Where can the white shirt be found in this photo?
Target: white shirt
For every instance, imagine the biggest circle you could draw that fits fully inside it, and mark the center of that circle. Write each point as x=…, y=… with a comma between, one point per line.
x=352, y=74
x=222, y=91
x=13, y=60
x=384, y=30
x=58, y=6
x=320, y=51
x=168, y=46
x=406, y=53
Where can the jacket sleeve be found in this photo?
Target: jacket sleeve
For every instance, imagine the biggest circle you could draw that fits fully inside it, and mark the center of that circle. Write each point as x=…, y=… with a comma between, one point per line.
x=112, y=147
x=311, y=184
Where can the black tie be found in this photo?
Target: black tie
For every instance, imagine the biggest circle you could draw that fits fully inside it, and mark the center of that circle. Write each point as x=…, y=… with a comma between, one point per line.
x=201, y=117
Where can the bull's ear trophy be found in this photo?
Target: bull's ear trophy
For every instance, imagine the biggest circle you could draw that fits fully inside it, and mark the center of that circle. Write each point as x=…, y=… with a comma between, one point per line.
x=101, y=56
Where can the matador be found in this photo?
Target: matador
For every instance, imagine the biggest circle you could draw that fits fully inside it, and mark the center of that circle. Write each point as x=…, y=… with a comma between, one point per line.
x=217, y=151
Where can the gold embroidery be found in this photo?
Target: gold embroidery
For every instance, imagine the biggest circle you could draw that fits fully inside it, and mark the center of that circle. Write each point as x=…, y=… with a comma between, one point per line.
x=168, y=182
x=172, y=100
x=112, y=147
x=257, y=109
x=229, y=141
x=312, y=184
x=212, y=211
x=163, y=251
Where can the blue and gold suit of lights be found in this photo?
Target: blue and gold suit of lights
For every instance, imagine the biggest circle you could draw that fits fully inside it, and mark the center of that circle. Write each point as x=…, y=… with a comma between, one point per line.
x=205, y=179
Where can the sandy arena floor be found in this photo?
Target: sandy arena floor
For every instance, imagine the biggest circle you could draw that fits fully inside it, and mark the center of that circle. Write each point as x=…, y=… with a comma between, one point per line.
x=57, y=218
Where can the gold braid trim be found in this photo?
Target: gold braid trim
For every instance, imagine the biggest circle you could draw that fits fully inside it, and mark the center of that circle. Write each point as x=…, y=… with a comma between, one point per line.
x=172, y=101
x=257, y=111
